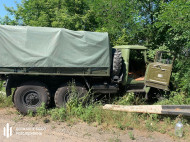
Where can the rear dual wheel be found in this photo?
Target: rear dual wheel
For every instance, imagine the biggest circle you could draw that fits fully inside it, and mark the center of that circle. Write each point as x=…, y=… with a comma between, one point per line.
x=65, y=93
x=30, y=95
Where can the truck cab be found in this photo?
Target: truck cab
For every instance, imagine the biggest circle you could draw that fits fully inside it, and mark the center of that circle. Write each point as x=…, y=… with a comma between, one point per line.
x=138, y=75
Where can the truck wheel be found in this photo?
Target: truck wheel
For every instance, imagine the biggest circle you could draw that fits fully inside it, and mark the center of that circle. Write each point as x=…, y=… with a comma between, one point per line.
x=30, y=96
x=117, y=62
x=64, y=93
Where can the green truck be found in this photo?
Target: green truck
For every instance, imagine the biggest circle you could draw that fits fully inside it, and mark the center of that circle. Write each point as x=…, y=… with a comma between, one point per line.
x=39, y=62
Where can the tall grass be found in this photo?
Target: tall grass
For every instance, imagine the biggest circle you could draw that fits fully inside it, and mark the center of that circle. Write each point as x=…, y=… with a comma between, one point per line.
x=4, y=100
x=93, y=112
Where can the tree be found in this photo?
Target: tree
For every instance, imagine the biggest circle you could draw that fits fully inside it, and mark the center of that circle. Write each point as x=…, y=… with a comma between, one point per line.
x=117, y=17
x=7, y=21
x=70, y=14
x=174, y=30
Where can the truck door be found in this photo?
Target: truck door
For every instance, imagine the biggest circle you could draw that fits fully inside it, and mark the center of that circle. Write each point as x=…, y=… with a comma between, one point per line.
x=158, y=73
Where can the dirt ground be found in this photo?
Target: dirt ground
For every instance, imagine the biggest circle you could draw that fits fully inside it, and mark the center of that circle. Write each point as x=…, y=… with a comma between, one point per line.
x=31, y=129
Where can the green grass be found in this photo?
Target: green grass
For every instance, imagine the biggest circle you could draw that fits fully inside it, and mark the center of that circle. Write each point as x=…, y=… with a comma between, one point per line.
x=175, y=98
x=5, y=101
x=115, y=139
x=121, y=120
x=131, y=136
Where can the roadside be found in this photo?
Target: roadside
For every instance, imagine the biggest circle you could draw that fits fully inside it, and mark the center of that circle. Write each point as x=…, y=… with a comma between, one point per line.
x=71, y=131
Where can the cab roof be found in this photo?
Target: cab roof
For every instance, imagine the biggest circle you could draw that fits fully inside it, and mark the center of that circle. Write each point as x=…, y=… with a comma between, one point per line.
x=130, y=47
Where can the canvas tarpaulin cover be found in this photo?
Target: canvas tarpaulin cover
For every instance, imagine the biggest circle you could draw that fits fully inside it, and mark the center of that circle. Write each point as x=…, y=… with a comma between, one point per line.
x=25, y=46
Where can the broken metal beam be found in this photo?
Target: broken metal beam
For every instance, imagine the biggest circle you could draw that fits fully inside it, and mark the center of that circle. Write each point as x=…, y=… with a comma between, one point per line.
x=157, y=109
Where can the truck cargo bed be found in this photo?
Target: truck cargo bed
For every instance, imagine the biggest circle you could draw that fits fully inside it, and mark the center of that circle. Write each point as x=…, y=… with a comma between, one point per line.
x=53, y=51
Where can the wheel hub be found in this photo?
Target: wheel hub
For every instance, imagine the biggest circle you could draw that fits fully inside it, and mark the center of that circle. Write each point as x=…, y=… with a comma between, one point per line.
x=31, y=98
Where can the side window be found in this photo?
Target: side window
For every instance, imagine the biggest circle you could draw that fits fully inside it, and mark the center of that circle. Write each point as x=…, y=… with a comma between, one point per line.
x=164, y=57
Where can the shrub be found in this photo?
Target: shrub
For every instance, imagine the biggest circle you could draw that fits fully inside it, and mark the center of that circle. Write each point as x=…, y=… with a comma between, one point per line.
x=130, y=99
x=58, y=114
x=42, y=111
x=175, y=98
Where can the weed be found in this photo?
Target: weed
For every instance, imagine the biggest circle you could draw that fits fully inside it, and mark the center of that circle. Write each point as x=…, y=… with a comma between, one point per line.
x=114, y=140
x=131, y=136
x=30, y=113
x=33, y=122
x=175, y=98
x=58, y=114
x=127, y=99
x=87, y=134
x=154, y=117
x=163, y=130
x=121, y=126
x=17, y=119
x=150, y=125
x=88, y=115
x=98, y=114
x=5, y=101
x=130, y=99
x=42, y=111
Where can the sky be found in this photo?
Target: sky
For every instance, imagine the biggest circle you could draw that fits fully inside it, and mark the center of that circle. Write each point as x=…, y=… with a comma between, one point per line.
x=8, y=3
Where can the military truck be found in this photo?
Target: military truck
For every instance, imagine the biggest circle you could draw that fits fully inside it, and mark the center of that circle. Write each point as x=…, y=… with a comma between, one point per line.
x=39, y=62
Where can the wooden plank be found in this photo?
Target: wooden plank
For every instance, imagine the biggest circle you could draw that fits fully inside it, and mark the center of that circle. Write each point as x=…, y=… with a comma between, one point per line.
x=158, y=109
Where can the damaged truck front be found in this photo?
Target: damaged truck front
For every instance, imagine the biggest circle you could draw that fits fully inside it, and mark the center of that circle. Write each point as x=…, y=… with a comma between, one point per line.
x=39, y=62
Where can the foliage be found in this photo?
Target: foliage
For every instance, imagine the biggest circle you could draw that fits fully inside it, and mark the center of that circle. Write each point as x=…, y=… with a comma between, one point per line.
x=175, y=98
x=5, y=101
x=118, y=18
x=127, y=99
x=58, y=114
x=42, y=111
x=130, y=99
x=121, y=126
x=131, y=136
x=174, y=30
x=70, y=14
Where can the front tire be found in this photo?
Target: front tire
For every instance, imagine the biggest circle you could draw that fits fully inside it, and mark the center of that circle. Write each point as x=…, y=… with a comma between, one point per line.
x=30, y=95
